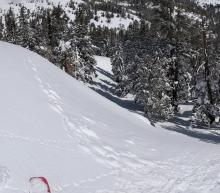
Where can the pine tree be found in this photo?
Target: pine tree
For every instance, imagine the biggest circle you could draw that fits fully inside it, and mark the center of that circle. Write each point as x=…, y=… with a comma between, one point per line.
x=152, y=88
x=1, y=28
x=11, y=26
x=86, y=65
x=172, y=30
x=23, y=31
x=130, y=77
x=208, y=76
x=117, y=62
x=59, y=25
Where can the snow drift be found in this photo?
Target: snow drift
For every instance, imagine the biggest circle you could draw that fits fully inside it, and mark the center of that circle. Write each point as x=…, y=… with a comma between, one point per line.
x=54, y=126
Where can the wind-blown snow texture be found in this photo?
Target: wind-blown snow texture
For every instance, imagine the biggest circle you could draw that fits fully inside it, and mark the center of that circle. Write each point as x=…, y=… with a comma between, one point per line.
x=54, y=126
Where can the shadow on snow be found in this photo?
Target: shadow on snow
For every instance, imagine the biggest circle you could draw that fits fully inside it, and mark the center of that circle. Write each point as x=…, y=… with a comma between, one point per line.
x=182, y=124
x=106, y=89
x=127, y=104
x=209, y=137
x=181, y=121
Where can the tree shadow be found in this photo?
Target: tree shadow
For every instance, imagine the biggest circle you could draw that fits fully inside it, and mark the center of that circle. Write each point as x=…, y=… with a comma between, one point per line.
x=105, y=73
x=211, y=137
x=113, y=85
x=178, y=121
x=127, y=104
x=181, y=121
x=185, y=114
x=107, y=88
x=182, y=124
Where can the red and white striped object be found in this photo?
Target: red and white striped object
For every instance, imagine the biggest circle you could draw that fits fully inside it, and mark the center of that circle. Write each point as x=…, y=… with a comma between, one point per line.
x=39, y=185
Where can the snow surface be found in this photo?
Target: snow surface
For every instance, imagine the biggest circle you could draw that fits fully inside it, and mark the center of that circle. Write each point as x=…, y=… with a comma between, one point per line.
x=209, y=1
x=116, y=22
x=55, y=126
x=34, y=4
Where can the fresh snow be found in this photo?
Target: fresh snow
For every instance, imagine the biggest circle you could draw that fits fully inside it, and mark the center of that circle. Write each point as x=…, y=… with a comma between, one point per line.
x=55, y=126
x=116, y=22
x=209, y=1
x=34, y=4
x=39, y=1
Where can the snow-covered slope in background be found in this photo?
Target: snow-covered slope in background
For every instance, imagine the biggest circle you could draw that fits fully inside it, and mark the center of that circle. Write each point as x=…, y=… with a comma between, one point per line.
x=99, y=20
x=209, y=1
x=116, y=22
x=54, y=126
x=34, y=4
x=37, y=1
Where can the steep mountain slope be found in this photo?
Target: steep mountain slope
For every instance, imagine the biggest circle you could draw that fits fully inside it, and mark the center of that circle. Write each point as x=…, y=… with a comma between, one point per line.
x=54, y=126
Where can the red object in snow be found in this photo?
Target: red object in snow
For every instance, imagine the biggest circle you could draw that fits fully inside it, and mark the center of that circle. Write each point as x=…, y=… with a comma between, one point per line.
x=43, y=180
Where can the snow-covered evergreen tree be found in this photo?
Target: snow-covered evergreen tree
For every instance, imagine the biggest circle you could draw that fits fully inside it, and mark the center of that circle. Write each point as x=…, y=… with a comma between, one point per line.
x=172, y=26
x=152, y=88
x=208, y=76
x=1, y=28
x=86, y=62
x=130, y=77
x=10, y=27
x=23, y=31
x=118, y=66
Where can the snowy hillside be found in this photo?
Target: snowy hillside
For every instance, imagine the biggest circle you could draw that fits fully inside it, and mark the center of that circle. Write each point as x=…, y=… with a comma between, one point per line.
x=209, y=1
x=32, y=4
x=116, y=22
x=36, y=1
x=54, y=126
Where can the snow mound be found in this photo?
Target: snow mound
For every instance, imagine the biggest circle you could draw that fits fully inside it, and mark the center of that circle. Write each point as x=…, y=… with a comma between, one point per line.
x=56, y=127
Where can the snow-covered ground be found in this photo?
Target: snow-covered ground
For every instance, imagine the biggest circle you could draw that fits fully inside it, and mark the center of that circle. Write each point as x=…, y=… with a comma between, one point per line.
x=37, y=1
x=209, y=1
x=33, y=5
x=55, y=126
x=116, y=22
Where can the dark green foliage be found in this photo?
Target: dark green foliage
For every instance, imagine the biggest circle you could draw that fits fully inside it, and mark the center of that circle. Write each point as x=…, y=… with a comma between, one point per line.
x=118, y=66
x=10, y=27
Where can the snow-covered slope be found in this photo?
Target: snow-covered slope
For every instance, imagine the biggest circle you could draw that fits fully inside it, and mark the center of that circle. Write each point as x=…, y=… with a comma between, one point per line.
x=37, y=1
x=54, y=126
x=34, y=4
x=209, y=1
x=116, y=22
